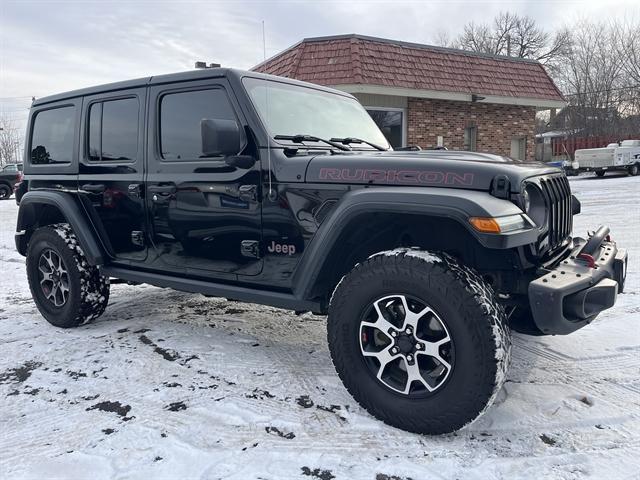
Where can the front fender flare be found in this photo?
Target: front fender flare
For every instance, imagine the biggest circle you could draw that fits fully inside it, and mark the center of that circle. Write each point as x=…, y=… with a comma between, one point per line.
x=455, y=204
x=70, y=210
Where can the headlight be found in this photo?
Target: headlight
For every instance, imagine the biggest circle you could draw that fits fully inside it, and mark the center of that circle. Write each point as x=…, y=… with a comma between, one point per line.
x=526, y=201
x=534, y=205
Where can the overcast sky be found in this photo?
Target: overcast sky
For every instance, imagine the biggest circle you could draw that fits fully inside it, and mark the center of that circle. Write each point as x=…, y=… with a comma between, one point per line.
x=51, y=46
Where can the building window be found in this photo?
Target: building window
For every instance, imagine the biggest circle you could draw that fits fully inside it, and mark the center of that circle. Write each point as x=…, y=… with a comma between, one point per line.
x=52, y=136
x=392, y=123
x=113, y=130
x=470, y=136
x=519, y=148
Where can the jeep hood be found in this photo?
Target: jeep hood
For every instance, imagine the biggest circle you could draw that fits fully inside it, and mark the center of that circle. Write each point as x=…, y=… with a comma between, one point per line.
x=451, y=169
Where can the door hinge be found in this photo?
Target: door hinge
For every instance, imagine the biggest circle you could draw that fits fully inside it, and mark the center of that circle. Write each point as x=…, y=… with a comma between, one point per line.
x=250, y=248
x=500, y=186
x=137, y=238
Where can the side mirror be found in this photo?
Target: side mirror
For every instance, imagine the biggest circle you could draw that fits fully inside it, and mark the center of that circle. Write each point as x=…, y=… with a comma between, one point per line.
x=220, y=138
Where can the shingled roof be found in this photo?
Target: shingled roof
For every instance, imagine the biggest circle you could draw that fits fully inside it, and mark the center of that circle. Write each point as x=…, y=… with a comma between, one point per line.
x=361, y=63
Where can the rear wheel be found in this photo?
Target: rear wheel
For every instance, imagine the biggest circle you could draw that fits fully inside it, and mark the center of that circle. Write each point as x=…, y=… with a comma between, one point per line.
x=600, y=173
x=5, y=192
x=419, y=340
x=633, y=170
x=66, y=289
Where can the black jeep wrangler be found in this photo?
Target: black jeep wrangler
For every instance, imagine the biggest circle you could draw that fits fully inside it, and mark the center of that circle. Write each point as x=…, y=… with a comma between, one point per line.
x=10, y=175
x=268, y=190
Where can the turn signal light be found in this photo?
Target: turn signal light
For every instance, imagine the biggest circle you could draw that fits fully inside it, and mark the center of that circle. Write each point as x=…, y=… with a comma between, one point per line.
x=485, y=225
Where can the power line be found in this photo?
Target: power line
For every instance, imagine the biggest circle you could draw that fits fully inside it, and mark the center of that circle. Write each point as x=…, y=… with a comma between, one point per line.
x=590, y=92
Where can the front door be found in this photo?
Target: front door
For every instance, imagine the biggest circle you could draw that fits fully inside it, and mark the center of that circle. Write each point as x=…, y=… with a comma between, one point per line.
x=110, y=176
x=205, y=215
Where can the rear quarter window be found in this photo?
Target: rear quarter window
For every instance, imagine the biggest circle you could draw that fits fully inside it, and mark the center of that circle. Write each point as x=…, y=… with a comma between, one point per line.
x=113, y=130
x=52, y=136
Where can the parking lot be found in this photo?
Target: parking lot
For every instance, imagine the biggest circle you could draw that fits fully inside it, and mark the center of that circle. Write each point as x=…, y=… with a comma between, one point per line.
x=176, y=385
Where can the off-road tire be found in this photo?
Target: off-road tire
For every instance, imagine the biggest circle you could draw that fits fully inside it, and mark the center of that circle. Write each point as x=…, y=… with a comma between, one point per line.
x=600, y=173
x=5, y=192
x=88, y=294
x=476, y=322
x=633, y=169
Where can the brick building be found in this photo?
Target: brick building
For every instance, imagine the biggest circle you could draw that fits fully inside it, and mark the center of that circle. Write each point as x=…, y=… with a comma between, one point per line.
x=429, y=96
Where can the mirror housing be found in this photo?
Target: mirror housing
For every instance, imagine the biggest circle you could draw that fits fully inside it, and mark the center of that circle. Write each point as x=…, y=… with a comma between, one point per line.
x=220, y=138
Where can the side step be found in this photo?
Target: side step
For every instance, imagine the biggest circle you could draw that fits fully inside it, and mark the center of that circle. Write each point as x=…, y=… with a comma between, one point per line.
x=232, y=292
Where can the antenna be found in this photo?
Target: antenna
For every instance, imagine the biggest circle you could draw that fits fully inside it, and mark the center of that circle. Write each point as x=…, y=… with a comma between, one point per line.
x=271, y=194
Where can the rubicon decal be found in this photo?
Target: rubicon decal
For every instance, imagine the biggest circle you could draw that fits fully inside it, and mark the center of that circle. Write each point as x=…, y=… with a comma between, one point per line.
x=402, y=177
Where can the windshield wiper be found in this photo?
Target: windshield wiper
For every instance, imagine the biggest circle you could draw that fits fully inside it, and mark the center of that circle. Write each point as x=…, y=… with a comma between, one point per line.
x=311, y=138
x=348, y=140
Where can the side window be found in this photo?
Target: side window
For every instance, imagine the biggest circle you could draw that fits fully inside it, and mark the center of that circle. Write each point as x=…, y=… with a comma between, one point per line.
x=113, y=130
x=180, y=117
x=52, y=136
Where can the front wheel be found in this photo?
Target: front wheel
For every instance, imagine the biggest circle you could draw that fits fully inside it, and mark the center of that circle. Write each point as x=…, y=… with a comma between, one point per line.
x=66, y=289
x=419, y=340
x=633, y=170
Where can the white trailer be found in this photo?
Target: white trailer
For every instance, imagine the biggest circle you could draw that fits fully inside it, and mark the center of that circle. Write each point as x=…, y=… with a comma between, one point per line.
x=623, y=156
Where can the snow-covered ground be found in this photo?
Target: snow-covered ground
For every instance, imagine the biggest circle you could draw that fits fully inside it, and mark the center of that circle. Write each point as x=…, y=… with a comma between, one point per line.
x=175, y=385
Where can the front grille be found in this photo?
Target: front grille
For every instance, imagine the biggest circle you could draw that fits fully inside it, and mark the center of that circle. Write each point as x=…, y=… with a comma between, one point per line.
x=557, y=195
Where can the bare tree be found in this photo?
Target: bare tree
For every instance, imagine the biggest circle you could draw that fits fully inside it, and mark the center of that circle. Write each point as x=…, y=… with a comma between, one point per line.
x=629, y=48
x=9, y=141
x=518, y=36
x=442, y=38
x=599, y=78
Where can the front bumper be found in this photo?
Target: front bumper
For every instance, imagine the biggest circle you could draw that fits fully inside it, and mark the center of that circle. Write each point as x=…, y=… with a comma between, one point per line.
x=572, y=294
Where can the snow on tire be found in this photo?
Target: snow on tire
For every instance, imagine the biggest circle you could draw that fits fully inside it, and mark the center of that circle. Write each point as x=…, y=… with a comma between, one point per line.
x=67, y=290
x=419, y=340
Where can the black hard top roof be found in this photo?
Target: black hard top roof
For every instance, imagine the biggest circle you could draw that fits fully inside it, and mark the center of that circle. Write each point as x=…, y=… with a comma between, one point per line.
x=201, y=74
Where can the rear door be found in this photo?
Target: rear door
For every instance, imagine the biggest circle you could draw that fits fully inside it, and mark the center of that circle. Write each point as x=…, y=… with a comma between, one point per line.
x=205, y=215
x=110, y=179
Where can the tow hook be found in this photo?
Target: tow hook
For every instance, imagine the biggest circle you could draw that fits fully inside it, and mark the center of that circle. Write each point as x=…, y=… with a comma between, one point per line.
x=588, y=259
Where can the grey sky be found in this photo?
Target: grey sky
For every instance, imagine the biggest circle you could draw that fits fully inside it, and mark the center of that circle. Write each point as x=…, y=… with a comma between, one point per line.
x=52, y=46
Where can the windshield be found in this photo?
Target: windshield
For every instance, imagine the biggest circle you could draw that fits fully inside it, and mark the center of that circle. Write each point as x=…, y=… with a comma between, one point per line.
x=287, y=109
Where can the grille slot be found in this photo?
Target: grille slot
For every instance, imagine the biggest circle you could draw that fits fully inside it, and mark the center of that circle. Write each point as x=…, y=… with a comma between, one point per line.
x=557, y=195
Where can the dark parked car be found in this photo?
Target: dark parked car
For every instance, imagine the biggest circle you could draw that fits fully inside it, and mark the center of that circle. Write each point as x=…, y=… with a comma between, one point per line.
x=9, y=176
x=273, y=191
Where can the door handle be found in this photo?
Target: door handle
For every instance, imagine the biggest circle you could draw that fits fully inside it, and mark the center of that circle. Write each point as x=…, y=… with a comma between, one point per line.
x=135, y=190
x=163, y=189
x=93, y=187
x=248, y=192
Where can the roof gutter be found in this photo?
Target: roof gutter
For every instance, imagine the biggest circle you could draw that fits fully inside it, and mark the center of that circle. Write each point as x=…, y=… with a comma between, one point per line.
x=539, y=103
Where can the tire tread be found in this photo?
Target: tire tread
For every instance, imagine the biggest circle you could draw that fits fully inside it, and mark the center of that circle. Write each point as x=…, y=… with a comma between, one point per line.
x=481, y=313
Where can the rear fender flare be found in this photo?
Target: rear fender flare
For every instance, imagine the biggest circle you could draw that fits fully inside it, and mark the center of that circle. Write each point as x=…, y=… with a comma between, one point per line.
x=70, y=210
